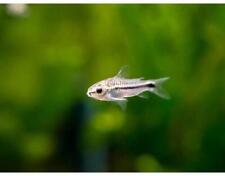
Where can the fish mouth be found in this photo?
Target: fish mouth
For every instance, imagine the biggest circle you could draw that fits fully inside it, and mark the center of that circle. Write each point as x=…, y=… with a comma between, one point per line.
x=89, y=93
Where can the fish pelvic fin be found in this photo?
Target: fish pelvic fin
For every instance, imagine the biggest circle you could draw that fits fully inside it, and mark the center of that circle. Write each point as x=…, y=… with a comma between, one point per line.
x=158, y=89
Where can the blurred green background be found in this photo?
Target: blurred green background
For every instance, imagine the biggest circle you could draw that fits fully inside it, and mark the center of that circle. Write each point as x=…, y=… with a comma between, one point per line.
x=51, y=54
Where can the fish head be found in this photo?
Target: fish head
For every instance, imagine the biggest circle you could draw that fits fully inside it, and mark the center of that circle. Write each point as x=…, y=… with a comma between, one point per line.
x=97, y=91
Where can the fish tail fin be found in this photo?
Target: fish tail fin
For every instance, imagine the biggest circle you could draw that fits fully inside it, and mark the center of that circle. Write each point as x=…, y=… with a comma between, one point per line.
x=158, y=89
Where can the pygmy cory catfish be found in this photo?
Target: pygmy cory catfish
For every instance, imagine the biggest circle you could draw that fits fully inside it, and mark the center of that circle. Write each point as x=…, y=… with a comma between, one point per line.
x=119, y=88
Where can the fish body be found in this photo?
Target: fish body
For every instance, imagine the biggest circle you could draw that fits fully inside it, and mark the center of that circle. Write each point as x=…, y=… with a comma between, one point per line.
x=119, y=88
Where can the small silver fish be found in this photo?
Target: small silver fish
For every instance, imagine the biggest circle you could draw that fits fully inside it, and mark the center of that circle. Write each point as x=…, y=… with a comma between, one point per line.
x=118, y=88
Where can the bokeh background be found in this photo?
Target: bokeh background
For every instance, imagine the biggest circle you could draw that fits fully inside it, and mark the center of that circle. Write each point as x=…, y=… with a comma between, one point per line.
x=51, y=54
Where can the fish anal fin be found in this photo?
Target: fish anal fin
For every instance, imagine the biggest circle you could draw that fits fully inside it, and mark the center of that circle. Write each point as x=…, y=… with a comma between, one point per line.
x=143, y=96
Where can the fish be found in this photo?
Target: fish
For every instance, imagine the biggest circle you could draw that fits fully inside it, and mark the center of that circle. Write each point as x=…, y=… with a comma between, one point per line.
x=118, y=88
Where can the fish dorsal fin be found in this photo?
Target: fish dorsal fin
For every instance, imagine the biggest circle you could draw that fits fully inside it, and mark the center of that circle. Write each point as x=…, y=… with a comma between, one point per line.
x=122, y=72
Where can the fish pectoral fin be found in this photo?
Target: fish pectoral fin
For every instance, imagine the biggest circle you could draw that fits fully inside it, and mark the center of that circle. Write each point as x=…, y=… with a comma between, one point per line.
x=113, y=96
x=122, y=72
x=118, y=99
x=122, y=103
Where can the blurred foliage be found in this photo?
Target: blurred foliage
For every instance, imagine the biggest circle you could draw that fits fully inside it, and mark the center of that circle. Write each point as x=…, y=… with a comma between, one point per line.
x=51, y=54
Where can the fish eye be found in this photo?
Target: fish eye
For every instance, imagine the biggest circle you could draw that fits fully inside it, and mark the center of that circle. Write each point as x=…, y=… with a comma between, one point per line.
x=99, y=90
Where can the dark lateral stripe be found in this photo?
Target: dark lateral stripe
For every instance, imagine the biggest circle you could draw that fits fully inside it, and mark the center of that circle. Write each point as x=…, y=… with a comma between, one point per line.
x=151, y=85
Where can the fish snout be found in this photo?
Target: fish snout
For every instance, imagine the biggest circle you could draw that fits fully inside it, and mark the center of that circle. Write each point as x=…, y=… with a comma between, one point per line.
x=89, y=93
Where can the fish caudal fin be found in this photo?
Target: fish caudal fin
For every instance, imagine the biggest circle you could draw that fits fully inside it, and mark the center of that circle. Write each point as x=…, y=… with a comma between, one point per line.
x=158, y=89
